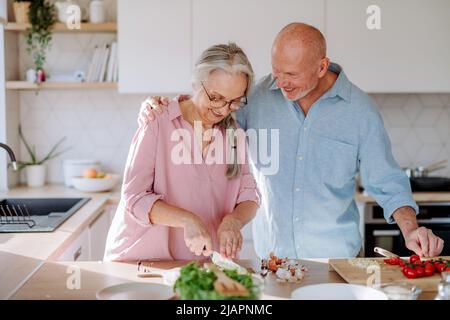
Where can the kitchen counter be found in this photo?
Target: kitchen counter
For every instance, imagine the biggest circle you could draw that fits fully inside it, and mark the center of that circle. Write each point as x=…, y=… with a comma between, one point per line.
x=417, y=196
x=21, y=254
x=52, y=279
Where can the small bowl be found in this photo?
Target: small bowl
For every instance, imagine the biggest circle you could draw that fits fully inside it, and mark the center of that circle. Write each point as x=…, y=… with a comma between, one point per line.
x=95, y=184
x=400, y=291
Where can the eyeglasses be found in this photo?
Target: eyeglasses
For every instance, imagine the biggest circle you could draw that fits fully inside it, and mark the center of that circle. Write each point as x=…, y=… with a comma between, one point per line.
x=220, y=103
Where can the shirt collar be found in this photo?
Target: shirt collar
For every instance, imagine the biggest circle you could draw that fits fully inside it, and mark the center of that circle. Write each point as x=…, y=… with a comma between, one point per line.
x=341, y=87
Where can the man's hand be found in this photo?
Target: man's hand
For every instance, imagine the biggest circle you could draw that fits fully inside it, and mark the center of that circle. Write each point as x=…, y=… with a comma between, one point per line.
x=150, y=108
x=153, y=106
x=424, y=242
x=418, y=239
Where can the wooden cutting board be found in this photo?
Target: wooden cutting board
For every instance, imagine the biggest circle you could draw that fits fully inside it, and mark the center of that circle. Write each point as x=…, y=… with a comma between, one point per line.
x=388, y=274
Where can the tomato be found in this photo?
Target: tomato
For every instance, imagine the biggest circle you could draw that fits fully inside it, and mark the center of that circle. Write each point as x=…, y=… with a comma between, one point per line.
x=440, y=267
x=447, y=269
x=410, y=273
x=395, y=260
x=420, y=271
x=429, y=270
x=418, y=263
x=414, y=258
x=401, y=263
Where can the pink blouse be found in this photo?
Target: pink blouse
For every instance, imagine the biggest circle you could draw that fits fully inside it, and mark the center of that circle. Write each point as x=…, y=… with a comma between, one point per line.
x=150, y=174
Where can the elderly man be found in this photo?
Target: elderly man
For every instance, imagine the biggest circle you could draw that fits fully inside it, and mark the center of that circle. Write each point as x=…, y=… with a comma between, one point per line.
x=329, y=131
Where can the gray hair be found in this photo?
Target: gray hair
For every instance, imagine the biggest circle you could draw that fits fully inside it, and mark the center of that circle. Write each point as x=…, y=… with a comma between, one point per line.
x=231, y=59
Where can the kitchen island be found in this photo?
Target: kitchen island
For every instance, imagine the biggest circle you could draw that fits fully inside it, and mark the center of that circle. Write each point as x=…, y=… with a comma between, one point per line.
x=82, y=280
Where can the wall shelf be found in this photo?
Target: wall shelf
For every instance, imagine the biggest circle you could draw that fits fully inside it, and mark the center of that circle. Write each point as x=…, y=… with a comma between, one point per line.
x=61, y=27
x=25, y=85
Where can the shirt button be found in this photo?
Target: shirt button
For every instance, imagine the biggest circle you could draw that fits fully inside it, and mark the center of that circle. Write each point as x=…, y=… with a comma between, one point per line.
x=296, y=219
x=297, y=189
x=300, y=158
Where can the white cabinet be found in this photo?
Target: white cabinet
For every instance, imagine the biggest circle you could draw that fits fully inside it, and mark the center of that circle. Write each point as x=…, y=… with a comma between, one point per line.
x=408, y=54
x=98, y=231
x=159, y=40
x=154, y=46
x=252, y=24
x=90, y=244
x=79, y=249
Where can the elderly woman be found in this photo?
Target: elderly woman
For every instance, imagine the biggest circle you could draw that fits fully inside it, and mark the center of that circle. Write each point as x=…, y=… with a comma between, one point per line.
x=184, y=210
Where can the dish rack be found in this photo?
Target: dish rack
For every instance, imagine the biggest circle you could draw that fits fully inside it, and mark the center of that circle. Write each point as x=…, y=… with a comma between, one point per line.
x=15, y=214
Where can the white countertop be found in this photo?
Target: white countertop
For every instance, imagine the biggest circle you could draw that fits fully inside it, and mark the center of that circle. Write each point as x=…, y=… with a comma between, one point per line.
x=21, y=254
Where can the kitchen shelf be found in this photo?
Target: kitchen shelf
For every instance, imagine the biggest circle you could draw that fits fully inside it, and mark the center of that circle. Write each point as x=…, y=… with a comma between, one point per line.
x=25, y=85
x=61, y=27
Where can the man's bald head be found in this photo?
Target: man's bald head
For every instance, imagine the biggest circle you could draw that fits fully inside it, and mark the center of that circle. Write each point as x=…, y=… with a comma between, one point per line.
x=304, y=38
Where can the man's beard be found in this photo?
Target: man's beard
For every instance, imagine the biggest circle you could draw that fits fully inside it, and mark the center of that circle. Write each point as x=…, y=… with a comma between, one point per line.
x=299, y=95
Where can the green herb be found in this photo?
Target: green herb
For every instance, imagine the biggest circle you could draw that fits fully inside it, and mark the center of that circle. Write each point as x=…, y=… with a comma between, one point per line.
x=196, y=283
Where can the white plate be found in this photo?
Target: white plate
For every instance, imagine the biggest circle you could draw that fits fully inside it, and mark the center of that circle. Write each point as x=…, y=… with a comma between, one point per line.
x=337, y=291
x=136, y=291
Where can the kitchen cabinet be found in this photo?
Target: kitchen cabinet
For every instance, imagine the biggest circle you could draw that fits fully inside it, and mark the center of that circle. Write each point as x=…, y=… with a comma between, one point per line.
x=90, y=244
x=79, y=249
x=159, y=41
x=408, y=54
x=154, y=46
x=252, y=24
x=98, y=231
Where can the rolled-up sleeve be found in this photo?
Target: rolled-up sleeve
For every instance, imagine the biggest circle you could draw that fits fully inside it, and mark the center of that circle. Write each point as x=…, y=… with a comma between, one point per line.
x=137, y=188
x=248, y=190
x=381, y=176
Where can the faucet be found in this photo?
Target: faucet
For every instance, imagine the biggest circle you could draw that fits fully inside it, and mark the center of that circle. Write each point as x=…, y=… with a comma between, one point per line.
x=11, y=155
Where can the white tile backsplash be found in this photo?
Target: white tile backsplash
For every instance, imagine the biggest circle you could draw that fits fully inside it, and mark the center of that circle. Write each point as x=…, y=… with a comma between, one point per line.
x=419, y=127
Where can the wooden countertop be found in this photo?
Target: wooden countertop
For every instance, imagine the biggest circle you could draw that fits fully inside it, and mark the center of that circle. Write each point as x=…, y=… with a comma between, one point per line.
x=417, y=196
x=21, y=254
x=50, y=281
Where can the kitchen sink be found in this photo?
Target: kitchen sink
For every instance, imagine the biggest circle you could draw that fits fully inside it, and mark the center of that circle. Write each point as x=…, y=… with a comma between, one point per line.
x=36, y=214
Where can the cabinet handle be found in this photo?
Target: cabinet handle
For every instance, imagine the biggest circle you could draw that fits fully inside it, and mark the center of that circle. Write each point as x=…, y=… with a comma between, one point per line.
x=378, y=233
x=77, y=254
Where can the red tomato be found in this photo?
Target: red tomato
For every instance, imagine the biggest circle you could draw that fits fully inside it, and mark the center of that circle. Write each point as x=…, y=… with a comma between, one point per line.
x=429, y=270
x=410, y=273
x=395, y=260
x=414, y=258
x=401, y=263
x=440, y=267
x=447, y=269
x=420, y=271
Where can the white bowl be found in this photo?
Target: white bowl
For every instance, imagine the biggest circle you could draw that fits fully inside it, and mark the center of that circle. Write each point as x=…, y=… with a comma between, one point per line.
x=337, y=291
x=95, y=184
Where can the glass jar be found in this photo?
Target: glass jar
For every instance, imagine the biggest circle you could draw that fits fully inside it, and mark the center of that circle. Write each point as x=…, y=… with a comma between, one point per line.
x=444, y=287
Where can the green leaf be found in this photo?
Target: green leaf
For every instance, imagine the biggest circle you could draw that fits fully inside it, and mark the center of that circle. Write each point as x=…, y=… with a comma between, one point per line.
x=27, y=146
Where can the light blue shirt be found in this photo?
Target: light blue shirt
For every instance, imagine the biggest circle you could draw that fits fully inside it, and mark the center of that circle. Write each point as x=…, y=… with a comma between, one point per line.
x=308, y=207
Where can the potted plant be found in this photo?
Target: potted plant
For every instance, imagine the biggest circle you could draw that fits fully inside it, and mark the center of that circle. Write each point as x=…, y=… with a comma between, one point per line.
x=39, y=34
x=35, y=168
x=21, y=9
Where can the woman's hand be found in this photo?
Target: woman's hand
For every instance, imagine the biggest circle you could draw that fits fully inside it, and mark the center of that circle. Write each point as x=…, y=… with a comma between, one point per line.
x=197, y=237
x=230, y=237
